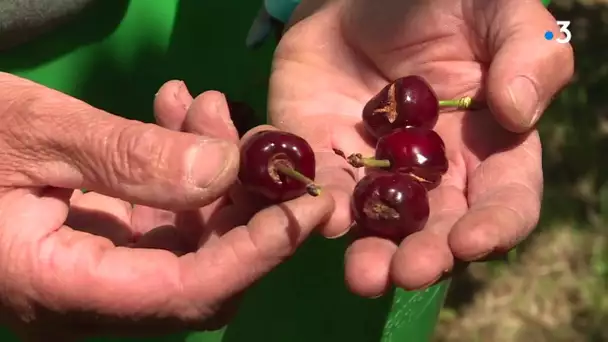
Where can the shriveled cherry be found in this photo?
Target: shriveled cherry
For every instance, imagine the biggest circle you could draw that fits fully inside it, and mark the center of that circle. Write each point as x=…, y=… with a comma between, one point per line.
x=389, y=205
x=419, y=152
x=278, y=165
x=408, y=101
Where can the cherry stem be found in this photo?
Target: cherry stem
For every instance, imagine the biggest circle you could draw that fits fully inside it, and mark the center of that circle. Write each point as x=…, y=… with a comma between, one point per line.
x=461, y=103
x=311, y=188
x=420, y=179
x=357, y=160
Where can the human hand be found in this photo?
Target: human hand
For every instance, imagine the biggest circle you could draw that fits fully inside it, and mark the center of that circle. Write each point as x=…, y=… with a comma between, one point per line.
x=74, y=264
x=338, y=54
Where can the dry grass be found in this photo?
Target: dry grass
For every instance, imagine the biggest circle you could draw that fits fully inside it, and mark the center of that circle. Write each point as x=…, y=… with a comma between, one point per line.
x=556, y=288
x=556, y=291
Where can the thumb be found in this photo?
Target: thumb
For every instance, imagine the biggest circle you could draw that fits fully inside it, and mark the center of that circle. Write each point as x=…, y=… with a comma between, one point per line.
x=59, y=141
x=527, y=70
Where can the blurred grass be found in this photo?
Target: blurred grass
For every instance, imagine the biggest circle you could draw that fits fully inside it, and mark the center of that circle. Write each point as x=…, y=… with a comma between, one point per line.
x=554, y=287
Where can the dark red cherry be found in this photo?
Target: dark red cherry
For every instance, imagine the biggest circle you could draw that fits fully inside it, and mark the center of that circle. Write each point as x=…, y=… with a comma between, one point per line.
x=278, y=165
x=389, y=205
x=408, y=101
x=416, y=151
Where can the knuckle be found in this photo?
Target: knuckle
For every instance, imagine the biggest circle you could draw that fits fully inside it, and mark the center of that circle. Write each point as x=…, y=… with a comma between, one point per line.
x=23, y=130
x=134, y=153
x=16, y=115
x=278, y=244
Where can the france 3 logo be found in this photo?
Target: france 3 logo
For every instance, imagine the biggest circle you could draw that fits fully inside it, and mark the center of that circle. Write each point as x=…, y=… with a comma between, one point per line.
x=564, y=35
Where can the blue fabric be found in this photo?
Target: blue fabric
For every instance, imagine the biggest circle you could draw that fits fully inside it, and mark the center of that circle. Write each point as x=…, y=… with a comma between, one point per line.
x=281, y=9
x=261, y=27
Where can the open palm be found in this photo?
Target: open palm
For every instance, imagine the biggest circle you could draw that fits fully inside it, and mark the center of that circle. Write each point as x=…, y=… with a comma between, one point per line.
x=339, y=54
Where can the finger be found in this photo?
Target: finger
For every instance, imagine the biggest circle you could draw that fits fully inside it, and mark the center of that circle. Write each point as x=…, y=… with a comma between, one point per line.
x=86, y=273
x=243, y=197
x=231, y=216
x=66, y=143
x=519, y=89
x=171, y=104
x=209, y=115
x=212, y=221
x=244, y=254
x=337, y=178
x=170, y=108
x=77, y=193
x=101, y=215
x=163, y=237
x=206, y=115
x=144, y=218
x=424, y=257
x=155, y=283
x=504, y=198
x=367, y=265
x=162, y=229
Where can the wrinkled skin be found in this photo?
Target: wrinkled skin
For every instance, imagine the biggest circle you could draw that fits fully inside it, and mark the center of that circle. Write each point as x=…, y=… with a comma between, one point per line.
x=337, y=54
x=74, y=265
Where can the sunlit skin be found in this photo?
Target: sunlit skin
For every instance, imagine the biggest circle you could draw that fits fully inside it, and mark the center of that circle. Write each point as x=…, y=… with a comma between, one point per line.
x=336, y=55
x=108, y=261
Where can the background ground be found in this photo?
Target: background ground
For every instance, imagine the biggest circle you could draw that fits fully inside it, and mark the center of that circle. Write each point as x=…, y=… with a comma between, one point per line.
x=555, y=286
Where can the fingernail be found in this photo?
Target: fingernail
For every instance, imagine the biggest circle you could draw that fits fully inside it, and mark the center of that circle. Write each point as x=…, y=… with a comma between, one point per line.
x=350, y=226
x=183, y=95
x=221, y=105
x=480, y=255
x=156, y=94
x=525, y=100
x=210, y=161
x=334, y=237
x=431, y=283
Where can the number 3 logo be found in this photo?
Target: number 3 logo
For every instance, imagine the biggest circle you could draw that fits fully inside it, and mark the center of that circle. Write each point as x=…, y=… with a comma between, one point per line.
x=563, y=28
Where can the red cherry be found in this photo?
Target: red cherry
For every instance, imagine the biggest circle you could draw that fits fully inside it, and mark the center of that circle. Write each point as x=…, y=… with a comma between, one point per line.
x=389, y=205
x=278, y=165
x=408, y=101
x=416, y=151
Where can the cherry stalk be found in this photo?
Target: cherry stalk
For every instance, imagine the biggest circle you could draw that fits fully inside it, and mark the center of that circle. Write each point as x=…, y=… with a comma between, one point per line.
x=407, y=102
x=285, y=169
x=418, y=152
x=278, y=165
